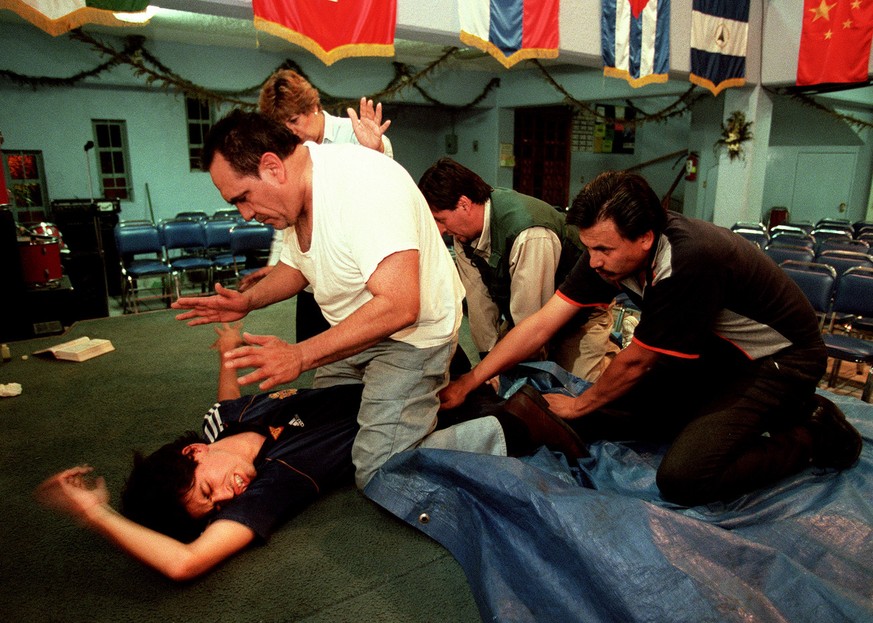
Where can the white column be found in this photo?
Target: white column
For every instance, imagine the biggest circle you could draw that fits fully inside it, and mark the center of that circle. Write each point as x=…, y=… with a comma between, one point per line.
x=739, y=194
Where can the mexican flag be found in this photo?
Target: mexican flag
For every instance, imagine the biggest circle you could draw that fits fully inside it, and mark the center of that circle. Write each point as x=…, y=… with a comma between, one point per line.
x=59, y=16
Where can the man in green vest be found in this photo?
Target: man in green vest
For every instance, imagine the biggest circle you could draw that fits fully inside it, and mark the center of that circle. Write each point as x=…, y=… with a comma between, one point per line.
x=512, y=251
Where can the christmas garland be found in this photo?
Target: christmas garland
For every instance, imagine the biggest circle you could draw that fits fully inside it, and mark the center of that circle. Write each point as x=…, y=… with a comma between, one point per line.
x=679, y=107
x=155, y=73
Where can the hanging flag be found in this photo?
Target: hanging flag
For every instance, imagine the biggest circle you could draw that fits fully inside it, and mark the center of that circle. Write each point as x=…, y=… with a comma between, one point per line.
x=59, y=16
x=719, y=37
x=835, y=41
x=331, y=29
x=635, y=40
x=511, y=30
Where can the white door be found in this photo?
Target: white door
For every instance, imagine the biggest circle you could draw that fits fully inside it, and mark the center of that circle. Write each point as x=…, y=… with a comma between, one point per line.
x=823, y=187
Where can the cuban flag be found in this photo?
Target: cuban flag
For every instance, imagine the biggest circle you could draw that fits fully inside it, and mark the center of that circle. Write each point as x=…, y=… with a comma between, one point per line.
x=719, y=35
x=59, y=16
x=331, y=29
x=511, y=30
x=635, y=39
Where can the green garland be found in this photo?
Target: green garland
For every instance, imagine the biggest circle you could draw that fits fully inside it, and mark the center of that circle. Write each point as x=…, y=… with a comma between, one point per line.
x=155, y=73
x=808, y=101
x=679, y=107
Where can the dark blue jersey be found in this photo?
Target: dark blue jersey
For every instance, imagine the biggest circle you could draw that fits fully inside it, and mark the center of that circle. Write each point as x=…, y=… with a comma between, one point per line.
x=309, y=435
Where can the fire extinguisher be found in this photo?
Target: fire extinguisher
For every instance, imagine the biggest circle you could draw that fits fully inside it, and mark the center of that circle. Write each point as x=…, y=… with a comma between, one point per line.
x=691, y=167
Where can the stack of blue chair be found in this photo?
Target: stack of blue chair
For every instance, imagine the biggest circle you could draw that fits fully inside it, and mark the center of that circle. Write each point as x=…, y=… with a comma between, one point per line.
x=854, y=298
x=141, y=255
x=185, y=246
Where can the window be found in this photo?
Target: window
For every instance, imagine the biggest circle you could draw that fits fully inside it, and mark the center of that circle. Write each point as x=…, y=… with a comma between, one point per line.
x=113, y=162
x=26, y=184
x=200, y=117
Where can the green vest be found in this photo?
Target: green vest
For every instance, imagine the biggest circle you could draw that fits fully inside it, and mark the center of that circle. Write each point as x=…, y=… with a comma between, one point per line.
x=512, y=213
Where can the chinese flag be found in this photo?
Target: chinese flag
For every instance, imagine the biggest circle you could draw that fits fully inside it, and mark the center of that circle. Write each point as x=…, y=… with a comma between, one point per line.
x=835, y=41
x=331, y=29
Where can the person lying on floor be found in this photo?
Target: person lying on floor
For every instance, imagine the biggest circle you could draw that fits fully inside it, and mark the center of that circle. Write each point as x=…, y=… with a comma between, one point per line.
x=199, y=500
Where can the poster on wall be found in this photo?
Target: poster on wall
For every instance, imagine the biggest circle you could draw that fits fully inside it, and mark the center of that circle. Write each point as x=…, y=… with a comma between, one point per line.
x=604, y=130
x=612, y=133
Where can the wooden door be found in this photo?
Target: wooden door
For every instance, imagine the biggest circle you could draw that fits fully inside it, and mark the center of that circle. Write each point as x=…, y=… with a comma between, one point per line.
x=542, y=153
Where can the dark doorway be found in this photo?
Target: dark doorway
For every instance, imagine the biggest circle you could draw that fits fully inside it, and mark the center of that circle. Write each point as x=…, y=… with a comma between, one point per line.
x=542, y=153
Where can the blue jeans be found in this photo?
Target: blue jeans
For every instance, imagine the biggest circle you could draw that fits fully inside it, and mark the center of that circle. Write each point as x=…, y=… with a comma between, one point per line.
x=400, y=403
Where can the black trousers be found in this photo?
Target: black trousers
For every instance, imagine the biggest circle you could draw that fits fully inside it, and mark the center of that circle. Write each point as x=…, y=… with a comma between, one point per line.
x=733, y=425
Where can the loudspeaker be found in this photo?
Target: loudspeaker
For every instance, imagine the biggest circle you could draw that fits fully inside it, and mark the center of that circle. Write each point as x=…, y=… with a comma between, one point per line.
x=14, y=323
x=88, y=227
x=88, y=278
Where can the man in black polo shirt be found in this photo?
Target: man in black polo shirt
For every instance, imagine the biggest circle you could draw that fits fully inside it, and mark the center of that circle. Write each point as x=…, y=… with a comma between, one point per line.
x=725, y=360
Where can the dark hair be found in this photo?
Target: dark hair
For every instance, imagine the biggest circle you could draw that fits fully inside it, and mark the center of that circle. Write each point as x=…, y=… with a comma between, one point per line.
x=154, y=493
x=243, y=137
x=625, y=198
x=445, y=181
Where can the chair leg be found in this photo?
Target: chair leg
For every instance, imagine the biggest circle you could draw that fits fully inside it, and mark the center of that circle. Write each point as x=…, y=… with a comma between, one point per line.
x=867, y=393
x=835, y=373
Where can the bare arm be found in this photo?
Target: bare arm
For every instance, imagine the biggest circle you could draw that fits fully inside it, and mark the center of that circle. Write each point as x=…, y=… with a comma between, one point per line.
x=623, y=373
x=228, y=338
x=227, y=305
x=518, y=345
x=88, y=504
x=394, y=306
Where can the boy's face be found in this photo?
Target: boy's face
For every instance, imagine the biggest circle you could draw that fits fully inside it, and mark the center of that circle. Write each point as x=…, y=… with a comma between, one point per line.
x=219, y=477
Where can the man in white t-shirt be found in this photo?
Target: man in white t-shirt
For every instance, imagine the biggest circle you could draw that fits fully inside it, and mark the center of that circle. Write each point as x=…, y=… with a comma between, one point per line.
x=362, y=235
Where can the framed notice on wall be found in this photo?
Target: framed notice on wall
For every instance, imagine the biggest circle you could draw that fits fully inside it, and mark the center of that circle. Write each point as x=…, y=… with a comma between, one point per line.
x=606, y=132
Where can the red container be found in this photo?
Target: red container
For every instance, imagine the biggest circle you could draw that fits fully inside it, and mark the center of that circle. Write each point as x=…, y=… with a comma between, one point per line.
x=40, y=260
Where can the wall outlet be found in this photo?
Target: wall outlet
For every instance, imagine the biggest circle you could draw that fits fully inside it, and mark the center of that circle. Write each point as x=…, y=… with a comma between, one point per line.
x=451, y=143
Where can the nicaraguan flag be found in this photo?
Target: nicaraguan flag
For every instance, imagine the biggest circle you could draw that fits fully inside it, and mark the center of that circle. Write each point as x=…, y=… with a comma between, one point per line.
x=635, y=39
x=719, y=35
x=59, y=16
x=511, y=30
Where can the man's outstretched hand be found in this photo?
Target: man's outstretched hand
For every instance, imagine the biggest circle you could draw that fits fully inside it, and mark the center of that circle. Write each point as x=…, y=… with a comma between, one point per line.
x=224, y=306
x=274, y=361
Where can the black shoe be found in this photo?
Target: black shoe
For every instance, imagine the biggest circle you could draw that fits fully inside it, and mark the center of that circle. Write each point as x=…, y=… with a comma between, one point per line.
x=835, y=443
x=544, y=428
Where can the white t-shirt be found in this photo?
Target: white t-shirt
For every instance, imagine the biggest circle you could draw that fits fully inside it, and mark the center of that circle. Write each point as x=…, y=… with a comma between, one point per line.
x=366, y=207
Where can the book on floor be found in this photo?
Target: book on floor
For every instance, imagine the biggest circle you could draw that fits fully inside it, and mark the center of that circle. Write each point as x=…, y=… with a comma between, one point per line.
x=80, y=349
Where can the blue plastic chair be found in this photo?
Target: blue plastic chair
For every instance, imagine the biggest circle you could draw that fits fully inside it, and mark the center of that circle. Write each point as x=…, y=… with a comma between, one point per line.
x=817, y=281
x=854, y=296
x=250, y=245
x=844, y=260
x=185, y=246
x=141, y=256
x=780, y=253
x=758, y=237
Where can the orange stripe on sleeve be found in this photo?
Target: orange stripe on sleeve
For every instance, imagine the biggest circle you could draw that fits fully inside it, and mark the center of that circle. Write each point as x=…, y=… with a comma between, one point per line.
x=671, y=353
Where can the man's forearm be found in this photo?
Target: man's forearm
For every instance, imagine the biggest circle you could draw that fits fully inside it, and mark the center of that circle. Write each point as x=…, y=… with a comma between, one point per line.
x=625, y=371
x=281, y=283
x=370, y=324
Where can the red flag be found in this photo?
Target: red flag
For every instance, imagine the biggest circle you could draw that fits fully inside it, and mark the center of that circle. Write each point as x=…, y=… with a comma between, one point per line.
x=331, y=29
x=835, y=41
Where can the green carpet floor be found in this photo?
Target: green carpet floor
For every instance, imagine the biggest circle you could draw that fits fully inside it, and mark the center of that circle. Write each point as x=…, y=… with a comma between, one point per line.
x=343, y=559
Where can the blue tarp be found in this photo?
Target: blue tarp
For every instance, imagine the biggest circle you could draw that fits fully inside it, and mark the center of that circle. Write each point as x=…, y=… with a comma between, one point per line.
x=541, y=540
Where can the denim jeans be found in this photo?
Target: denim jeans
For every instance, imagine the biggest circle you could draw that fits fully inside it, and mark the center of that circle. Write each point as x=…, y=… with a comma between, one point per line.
x=400, y=403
